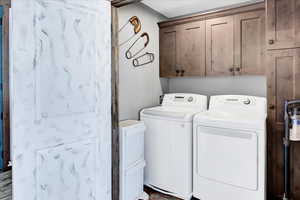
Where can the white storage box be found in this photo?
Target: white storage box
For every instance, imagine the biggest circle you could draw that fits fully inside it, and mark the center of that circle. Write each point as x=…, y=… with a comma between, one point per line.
x=132, y=161
x=132, y=182
x=131, y=143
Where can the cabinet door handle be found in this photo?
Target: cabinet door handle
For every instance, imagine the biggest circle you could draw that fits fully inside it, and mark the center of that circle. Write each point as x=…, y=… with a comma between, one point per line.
x=238, y=69
x=177, y=72
x=271, y=42
x=231, y=69
x=182, y=72
x=272, y=107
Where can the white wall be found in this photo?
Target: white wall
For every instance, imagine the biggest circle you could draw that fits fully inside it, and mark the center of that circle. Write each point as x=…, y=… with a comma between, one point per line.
x=244, y=85
x=139, y=87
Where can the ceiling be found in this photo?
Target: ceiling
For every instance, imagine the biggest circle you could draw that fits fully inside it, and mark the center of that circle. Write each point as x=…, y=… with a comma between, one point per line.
x=176, y=8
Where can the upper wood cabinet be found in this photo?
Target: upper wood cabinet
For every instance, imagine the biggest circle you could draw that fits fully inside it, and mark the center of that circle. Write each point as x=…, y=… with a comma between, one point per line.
x=182, y=50
x=249, y=58
x=220, y=46
x=283, y=24
x=168, y=66
x=191, y=49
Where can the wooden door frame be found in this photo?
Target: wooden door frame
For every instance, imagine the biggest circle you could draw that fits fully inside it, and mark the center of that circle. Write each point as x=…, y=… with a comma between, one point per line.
x=115, y=104
x=5, y=75
x=115, y=147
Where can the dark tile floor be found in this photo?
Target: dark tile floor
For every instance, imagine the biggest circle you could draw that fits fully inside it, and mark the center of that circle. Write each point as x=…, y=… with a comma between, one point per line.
x=5, y=186
x=158, y=196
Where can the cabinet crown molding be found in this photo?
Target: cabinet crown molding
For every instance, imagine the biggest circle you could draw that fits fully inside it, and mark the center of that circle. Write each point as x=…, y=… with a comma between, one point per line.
x=213, y=14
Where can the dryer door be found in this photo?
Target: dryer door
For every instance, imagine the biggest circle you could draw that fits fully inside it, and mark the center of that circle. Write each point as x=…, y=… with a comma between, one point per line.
x=227, y=156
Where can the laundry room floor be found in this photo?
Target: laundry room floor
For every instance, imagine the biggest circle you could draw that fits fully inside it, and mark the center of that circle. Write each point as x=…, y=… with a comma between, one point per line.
x=5, y=186
x=158, y=196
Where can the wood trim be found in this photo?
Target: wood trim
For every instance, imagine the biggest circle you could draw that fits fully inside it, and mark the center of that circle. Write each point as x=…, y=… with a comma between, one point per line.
x=6, y=112
x=121, y=3
x=115, y=104
x=213, y=14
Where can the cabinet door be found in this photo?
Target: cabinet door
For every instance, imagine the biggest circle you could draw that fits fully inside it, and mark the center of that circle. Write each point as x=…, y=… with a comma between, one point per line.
x=191, y=49
x=283, y=84
x=283, y=24
x=168, y=52
x=250, y=43
x=283, y=80
x=219, y=48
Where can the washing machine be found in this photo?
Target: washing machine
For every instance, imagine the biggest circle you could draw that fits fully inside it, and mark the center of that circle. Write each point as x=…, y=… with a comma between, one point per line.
x=168, y=143
x=230, y=149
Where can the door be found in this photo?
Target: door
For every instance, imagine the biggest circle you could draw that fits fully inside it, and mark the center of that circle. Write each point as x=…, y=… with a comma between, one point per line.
x=283, y=81
x=220, y=156
x=191, y=49
x=250, y=43
x=168, y=65
x=1, y=93
x=283, y=24
x=61, y=100
x=219, y=48
x=283, y=84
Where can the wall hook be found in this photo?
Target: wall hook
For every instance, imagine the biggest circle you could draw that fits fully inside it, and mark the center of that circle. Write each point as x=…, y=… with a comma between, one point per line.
x=137, y=26
x=144, y=59
x=131, y=54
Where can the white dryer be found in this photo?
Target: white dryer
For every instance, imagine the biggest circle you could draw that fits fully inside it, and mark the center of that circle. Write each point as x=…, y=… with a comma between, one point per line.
x=168, y=143
x=230, y=149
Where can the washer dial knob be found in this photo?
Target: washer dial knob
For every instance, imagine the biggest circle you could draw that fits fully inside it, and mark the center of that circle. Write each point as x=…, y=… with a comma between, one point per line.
x=190, y=99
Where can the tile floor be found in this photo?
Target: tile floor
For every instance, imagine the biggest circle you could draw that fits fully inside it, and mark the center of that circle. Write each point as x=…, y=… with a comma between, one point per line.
x=5, y=186
x=6, y=183
x=158, y=196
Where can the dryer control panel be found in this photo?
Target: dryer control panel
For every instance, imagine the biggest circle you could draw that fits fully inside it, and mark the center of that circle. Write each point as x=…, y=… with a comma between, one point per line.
x=236, y=103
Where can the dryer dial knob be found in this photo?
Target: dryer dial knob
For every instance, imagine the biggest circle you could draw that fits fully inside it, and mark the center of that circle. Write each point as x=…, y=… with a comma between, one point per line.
x=247, y=102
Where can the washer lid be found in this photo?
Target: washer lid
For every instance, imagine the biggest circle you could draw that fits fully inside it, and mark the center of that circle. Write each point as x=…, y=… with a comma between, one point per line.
x=237, y=120
x=174, y=113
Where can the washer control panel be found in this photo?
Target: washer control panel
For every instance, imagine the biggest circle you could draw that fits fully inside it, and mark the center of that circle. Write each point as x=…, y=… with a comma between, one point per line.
x=181, y=98
x=184, y=100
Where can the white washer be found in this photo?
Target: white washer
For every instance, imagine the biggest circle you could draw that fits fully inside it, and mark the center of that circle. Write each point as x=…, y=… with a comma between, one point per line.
x=168, y=143
x=230, y=149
